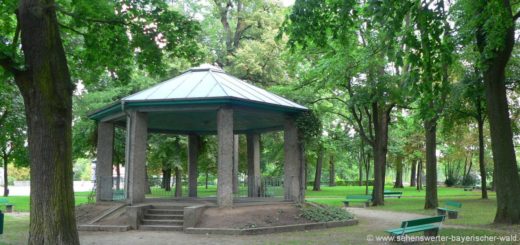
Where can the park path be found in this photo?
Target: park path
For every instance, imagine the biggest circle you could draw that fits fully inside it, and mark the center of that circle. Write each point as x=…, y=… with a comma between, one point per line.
x=380, y=219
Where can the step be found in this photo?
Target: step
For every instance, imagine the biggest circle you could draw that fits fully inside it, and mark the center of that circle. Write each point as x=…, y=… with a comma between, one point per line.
x=167, y=207
x=164, y=216
x=164, y=211
x=160, y=228
x=162, y=222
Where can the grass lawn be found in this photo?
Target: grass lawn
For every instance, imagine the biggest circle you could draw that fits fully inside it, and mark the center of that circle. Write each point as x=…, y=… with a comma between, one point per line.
x=22, y=203
x=476, y=214
x=474, y=211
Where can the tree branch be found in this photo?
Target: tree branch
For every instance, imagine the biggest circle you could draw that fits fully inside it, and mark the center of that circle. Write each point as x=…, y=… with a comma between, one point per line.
x=71, y=29
x=102, y=21
x=8, y=64
x=328, y=98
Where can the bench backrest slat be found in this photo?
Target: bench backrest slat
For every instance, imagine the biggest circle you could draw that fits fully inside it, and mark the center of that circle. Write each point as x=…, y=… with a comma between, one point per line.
x=3, y=200
x=359, y=197
x=422, y=221
x=393, y=192
x=453, y=204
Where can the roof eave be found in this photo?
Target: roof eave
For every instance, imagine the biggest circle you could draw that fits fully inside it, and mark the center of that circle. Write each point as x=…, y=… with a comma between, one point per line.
x=117, y=107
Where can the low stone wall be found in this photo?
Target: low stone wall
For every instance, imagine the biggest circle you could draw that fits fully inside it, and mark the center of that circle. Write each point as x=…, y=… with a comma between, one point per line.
x=192, y=215
x=112, y=228
x=135, y=214
x=272, y=229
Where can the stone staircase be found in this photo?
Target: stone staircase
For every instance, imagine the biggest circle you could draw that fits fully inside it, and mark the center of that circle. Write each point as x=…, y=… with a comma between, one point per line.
x=163, y=218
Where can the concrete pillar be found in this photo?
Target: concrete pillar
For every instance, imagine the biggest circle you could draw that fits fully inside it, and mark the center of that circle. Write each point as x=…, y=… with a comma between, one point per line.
x=137, y=136
x=293, y=166
x=225, y=156
x=193, y=155
x=253, y=164
x=236, y=158
x=105, y=153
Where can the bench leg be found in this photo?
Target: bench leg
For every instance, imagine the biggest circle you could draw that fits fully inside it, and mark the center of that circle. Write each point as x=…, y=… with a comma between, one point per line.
x=453, y=215
x=441, y=212
x=346, y=204
x=366, y=204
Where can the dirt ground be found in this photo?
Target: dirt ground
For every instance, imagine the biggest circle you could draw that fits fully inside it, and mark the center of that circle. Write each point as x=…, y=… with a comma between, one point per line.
x=87, y=212
x=252, y=217
x=370, y=222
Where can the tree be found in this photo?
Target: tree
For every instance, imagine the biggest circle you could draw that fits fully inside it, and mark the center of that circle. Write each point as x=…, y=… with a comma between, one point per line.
x=41, y=73
x=492, y=25
x=468, y=100
x=319, y=166
x=167, y=154
x=13, y=133
x=423, y=28
x=363, y=91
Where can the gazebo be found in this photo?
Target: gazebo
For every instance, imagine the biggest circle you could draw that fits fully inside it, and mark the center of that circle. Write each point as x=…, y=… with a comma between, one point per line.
x=201, y=101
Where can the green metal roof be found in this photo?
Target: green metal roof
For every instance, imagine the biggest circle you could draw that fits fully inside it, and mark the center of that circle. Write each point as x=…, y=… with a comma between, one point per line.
x=180, y=104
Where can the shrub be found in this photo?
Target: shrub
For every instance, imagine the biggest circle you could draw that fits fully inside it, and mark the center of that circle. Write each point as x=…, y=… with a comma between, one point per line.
x=325, y=213
x=450, y=181
x=469, y=180
x=10, y=180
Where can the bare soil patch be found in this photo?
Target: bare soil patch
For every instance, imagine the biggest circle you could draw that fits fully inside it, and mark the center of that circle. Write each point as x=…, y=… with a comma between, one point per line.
x=87, y=212
x=252, y=216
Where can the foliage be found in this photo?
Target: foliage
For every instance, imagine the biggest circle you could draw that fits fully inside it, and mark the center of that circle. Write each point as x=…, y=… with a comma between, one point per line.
x=18, y=173
x=309, y=125
x=82, y=169
x=469, y=180
x=325, y=213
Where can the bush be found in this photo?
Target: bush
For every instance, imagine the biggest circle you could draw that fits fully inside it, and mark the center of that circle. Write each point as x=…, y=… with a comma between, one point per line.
x=469, y=180
x=10, y=180
x=325, y=213
x=450, y=181
x=21, y=173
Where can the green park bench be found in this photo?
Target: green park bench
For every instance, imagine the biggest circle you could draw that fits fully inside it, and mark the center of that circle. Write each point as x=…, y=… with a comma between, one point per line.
x=365, y=199
x=451, y=208
x=469, y=188
x=8, y=206
x=430, y=226
x=397, y=194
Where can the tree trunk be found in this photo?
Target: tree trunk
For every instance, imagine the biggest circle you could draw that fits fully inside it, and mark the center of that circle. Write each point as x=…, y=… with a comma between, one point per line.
x=166, y=181
x=469, y=167
x=360, y=167
x=148, y=190
x=381, y=120
x=465, y=168
x=431, y=200
x=482, y=164
x=6, y=180
x=332, y=172
x=47, y=91
x=319, y=164
x=399, y=174
x=362, y=162
x=419, y=175
x=367, y=172
x=412, y=174
x=178, y=182
x=207, y=177
x=118, y=176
